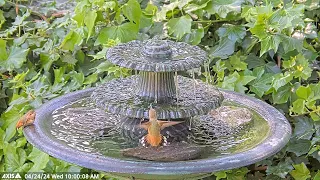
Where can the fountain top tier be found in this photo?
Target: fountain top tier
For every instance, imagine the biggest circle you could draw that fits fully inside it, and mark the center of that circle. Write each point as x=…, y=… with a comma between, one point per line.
x=157, y=55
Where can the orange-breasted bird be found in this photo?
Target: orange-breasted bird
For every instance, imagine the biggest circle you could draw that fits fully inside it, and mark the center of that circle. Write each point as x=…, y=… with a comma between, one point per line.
x=154, y=127
x=26, y=119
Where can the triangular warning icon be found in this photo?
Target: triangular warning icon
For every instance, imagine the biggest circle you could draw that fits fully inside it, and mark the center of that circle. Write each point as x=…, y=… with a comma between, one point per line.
x=17, y=176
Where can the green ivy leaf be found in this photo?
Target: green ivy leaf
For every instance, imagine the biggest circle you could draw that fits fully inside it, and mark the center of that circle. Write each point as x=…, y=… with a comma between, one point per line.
x=241, y=82
x=311, y=5
x=3, y=50
x=46, y=61
x=99, y=55
x=236, y=82
x=10, y=131
x=281, y=19
x=151, y=9
x=234, y=63
x=248, y=45
x=2, y=165
x=2, y=142
x=91, y=79
x=179, y=26
x=262, y=83
x=299, y=147
x=282, y=94
x=315, y=115
x=194, y=37
x=125, y=33
x=291, y=43
x=237, y=174
x=287, y=64
x=20, y=20
x=300, y=172
x=82, y=5
x=68, y=58
x=132, y=11
x=76, y=81
x=303, y=128
x=89, y=21
x=304, y=92
x=298, y=106
x=223, y=7
x=14, y=158
x=106, y=5
x=195, y=7
x=272, y=68
x=39, y=85
x=2, y=18
x=219, y=68
x=19, y=142
x=229, y=81
x=16, y=58
x=39, y=159
x=223, y=49
x=281, y=169
x=103, y=67
x=302, y=67
x=220, y=175
x=298, y=66
x=79, y=16
x=145, y=22
x=254, y=61
x=58, y=75
x=281, y=80
x=119, y=18
x=317, y=176
x=232, y=32
x=315, y=92
x=70, y=41
x=268, y=43
x=162, y=14
x=259, y=28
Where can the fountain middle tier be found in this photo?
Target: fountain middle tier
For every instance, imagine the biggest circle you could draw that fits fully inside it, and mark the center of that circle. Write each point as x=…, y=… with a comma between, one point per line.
x=119, y=96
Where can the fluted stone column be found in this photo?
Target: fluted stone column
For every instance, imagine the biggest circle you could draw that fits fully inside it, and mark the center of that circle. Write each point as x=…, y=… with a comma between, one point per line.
x=156, y=86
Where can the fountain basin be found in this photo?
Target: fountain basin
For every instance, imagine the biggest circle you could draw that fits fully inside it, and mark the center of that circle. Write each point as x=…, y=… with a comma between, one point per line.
x=39, y=135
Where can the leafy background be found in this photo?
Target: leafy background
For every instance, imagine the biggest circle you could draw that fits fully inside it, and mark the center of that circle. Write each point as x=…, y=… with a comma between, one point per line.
x=267, y=49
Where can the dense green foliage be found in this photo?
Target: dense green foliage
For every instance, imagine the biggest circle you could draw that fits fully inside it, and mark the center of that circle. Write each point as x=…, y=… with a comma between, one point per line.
x=267, y=49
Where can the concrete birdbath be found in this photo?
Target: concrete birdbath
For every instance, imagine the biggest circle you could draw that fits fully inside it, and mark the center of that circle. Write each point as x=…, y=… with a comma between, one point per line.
x=104, y=128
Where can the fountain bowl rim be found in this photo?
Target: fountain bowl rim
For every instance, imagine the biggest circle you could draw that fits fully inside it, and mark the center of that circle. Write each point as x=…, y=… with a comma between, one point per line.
x=278, y=137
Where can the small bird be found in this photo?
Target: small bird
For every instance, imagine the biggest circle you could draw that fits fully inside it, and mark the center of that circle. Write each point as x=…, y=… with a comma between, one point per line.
x=26, y=119
x=154, y=127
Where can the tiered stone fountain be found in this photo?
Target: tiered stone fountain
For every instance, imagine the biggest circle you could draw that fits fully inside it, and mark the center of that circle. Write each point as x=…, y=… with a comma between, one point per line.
x=100, y=128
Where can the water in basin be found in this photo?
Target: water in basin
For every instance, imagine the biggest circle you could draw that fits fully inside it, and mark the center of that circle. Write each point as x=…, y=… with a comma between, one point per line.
x=85, y=127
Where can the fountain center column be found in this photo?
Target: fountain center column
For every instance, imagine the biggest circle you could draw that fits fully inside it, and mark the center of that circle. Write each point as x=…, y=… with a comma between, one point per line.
x=156, y=87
